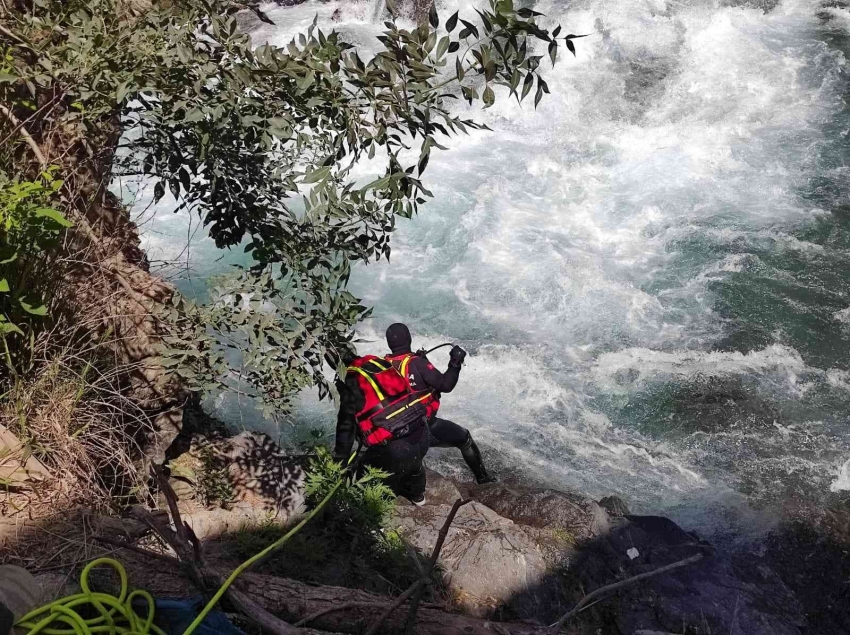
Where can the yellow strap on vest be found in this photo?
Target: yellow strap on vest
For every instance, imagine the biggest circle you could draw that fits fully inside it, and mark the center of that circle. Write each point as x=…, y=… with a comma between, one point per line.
x=412, y=403
x=404, y=364
x=370, y=380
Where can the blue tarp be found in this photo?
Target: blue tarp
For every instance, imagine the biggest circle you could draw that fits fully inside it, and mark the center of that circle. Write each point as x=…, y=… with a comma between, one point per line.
x=174, y=617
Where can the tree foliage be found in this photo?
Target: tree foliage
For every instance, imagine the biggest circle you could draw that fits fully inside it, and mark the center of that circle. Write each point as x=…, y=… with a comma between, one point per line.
x=30, y=231
x=261, y=144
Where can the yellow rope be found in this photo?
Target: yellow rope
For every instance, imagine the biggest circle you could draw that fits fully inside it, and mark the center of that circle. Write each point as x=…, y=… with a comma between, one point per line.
x=115, y=614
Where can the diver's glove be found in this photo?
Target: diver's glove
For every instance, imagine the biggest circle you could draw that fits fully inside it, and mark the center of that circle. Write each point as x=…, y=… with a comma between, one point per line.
x=456, y=357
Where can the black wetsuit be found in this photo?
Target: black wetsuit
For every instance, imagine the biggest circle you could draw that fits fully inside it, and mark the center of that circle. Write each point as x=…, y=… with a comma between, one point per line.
x=402, y=458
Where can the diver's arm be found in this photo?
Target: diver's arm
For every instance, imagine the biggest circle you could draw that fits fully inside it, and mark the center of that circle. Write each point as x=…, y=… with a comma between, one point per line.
x=350, y=403
x=434, y=379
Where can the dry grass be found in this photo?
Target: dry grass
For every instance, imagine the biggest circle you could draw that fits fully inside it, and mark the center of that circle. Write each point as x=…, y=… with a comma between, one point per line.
x=71, y=411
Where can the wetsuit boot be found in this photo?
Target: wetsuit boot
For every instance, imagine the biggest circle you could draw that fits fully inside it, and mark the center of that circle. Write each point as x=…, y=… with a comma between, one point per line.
x=472, y=456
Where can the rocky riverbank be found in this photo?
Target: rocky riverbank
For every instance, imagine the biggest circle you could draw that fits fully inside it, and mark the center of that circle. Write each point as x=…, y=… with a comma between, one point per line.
x=525, y=554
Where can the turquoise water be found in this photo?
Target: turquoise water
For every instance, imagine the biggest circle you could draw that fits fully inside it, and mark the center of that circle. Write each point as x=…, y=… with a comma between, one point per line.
x=651, y=272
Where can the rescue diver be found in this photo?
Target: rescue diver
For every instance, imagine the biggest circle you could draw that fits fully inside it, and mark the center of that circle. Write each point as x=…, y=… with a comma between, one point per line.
x=421, y=377
x=377, y=406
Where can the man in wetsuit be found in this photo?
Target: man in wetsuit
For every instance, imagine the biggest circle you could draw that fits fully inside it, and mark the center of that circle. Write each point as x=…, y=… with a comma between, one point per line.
x=399, y=454
x=422, y=376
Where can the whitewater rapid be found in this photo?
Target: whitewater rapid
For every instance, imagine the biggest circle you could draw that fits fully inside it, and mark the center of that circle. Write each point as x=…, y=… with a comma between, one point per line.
x=650, y=271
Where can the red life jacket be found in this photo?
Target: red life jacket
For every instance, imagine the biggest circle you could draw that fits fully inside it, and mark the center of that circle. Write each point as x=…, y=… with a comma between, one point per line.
x=391, y=408
x=401, y=362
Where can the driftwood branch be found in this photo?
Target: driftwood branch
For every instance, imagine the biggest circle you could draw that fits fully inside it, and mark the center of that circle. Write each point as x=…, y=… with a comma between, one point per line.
x=294, y=600
x=623, y=583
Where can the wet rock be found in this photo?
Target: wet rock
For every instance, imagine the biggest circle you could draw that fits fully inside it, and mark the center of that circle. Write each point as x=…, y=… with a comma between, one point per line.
x=545, y=508
x=810, y=551
x=615, y=506
x=718, y=594
x=440, y=490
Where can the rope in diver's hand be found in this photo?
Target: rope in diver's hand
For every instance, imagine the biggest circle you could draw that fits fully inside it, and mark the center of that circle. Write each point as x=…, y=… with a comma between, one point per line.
x=431, y=350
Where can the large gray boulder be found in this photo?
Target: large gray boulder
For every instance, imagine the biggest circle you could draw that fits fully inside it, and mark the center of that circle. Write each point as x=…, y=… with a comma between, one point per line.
x=487, y=561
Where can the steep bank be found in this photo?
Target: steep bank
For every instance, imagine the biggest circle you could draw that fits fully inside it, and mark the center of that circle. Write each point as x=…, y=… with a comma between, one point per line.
x=515, y=553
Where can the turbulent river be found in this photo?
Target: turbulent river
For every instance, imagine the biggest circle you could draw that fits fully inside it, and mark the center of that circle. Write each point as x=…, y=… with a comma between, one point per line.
x=651, y=271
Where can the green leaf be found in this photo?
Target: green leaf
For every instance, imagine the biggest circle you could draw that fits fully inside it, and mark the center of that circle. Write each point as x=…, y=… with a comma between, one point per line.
x=34, y=310
x=539, y=94
x=8, y=327
x=378, y=184
x=527, y=83
x=489, y=97
x=4, y=285
x=433, y=18
x=470, y=27
x=316, y=175
x=451, y=23
x=52, y=214
x=443, y=46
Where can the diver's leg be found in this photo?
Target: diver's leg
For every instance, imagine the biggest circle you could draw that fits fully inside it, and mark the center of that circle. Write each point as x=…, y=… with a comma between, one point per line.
x=447, y=434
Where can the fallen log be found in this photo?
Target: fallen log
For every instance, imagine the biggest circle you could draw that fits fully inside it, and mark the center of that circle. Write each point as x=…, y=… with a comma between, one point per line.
x=292, y=601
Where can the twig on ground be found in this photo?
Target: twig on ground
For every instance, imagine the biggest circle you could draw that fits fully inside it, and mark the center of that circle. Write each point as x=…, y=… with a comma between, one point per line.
x=401, y=599
x=622, y=583
x=418, y=587
x=426, y=577
x=145, y=552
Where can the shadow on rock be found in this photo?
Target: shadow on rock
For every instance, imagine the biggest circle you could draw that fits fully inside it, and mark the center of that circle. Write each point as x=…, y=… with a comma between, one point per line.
x=811, y=552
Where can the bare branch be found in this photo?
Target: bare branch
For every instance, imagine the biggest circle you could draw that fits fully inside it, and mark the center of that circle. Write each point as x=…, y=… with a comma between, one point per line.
x=426, y=577
x=26, y=135
x=623, y=583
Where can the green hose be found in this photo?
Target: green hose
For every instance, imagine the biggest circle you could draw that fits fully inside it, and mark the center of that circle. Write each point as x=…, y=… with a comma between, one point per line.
x=115, y=614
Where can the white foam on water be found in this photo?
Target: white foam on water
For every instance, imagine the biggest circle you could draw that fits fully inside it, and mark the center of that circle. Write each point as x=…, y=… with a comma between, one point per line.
x=842, y=479
x=574, y=249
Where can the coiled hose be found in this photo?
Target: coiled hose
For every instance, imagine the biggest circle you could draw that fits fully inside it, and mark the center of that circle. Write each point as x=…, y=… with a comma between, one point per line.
x=115, y=615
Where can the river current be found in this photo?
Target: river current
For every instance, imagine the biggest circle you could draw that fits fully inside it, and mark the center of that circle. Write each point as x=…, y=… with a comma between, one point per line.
x=651, y=271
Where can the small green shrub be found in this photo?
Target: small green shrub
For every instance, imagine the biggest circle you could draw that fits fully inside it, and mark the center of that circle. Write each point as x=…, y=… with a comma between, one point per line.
x=349, y=544
x=361, y=506
x=30, y=235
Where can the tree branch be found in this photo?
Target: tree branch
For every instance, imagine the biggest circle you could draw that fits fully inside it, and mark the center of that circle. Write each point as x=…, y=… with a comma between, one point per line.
x=622, y=583
x=26, y=135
